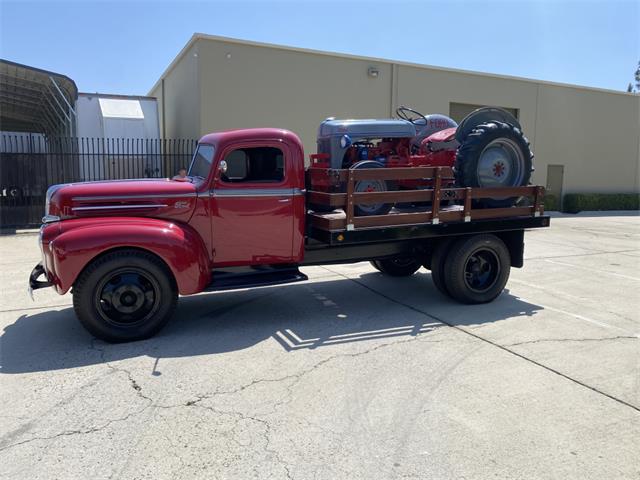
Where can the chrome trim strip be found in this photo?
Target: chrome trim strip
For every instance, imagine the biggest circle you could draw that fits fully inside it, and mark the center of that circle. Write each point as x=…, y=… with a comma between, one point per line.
x=256, y=192
x=126, y=197
x=50, y=219
x=113, y=207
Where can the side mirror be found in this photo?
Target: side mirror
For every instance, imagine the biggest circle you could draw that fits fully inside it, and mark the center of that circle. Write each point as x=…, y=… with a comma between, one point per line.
x=223, y=166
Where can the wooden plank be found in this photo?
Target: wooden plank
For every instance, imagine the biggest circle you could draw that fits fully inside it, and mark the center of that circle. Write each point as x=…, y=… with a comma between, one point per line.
x=482, y=213
x=394, y=219
x=324, y=198
x=467, y=204
x=349, y=209
x=392, y=196
x=479, y=192
x=436, y=196
x=327, y=223
x=403, y=173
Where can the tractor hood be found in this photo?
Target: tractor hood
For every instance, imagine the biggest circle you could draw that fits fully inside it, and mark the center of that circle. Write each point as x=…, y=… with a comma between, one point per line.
x=133, y=198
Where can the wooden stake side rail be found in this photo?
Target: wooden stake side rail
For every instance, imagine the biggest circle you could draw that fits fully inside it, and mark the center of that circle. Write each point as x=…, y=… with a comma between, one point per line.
x=437, y=194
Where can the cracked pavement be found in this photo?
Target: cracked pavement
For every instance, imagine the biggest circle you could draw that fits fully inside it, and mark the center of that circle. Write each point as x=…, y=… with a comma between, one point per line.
x=351, y=375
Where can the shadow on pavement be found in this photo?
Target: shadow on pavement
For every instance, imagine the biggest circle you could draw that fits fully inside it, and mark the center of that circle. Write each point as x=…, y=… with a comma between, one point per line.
x=302, y=316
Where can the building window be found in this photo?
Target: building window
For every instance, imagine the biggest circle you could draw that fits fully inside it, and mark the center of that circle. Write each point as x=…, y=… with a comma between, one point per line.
x=255, y=165
x=458, y=111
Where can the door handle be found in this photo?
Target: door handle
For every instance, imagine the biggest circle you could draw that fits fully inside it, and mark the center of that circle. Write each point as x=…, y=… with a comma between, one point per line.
x=284, y=200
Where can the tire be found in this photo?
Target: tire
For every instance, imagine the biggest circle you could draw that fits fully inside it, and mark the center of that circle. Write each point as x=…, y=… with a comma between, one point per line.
x=398, y=266
x=438, y=259
x=477, y=269
x=494, y=154
x=371, y=186
x=124, y=296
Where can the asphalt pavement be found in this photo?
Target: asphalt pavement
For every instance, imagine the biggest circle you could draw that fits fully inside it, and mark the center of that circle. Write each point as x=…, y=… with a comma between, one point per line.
x=351, y=375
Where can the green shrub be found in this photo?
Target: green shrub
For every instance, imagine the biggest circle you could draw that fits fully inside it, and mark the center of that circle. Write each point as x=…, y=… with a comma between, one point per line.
x=577, y=202
x=551, y=203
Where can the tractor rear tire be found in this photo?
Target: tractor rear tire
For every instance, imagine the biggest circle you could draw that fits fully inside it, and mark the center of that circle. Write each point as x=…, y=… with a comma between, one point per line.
x=397, y=266
x=494, y=154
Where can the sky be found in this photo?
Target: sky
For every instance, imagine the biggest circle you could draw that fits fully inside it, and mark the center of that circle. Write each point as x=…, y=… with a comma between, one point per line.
x=123, y=47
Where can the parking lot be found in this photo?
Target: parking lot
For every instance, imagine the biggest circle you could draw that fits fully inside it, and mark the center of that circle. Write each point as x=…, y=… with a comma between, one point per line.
x=349, y=375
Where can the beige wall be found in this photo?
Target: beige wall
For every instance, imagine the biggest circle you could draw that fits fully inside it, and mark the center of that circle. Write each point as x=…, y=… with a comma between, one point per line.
x=595, y=134
x=179, y=108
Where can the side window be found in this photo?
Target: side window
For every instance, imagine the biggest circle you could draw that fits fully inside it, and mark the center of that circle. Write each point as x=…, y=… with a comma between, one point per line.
x=260, y=165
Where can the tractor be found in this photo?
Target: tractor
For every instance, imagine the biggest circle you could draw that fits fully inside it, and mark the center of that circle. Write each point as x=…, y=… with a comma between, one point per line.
x=487, y=149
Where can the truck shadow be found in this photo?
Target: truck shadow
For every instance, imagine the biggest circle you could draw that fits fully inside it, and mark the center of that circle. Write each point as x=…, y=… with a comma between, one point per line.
x=316, y=314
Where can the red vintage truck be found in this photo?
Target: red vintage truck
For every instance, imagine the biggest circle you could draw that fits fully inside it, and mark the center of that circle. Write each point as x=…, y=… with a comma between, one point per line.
x=250, y=215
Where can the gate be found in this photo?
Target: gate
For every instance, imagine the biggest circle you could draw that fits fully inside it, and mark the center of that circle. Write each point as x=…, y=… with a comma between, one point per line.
x=29, y=164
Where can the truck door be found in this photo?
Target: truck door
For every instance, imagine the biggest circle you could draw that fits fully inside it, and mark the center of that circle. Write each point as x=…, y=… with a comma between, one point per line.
x=253, y=206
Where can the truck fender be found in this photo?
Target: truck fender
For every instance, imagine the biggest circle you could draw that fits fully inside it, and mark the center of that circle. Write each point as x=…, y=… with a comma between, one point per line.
x=178, y=246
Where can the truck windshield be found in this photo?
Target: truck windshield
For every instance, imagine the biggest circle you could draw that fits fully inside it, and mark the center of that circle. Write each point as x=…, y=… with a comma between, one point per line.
x=201, y=162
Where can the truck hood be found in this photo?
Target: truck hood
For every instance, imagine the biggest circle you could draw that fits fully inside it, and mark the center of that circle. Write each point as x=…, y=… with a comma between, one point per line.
x=133, y=198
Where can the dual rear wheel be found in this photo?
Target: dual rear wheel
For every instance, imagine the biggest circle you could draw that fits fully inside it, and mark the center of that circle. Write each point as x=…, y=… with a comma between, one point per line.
x=471, y=270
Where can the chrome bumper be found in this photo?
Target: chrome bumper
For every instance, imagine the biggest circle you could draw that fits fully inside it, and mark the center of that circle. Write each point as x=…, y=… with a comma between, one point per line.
x=34, y=283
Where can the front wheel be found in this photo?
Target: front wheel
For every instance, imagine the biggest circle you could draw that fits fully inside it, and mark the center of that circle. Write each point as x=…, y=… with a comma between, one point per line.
x=397, y=266
x=477, y=269
x=125, y=295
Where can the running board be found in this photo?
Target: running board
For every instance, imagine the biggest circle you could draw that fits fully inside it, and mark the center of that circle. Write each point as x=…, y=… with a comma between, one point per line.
x=232, y=279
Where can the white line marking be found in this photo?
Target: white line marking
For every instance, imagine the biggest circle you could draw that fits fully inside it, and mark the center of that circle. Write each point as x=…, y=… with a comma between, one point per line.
x=594, y=270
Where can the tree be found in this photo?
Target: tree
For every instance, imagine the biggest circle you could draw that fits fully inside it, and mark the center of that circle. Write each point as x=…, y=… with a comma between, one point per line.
x=631, y=88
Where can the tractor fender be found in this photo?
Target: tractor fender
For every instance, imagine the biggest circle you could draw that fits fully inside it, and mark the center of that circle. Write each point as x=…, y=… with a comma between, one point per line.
x=81, y=241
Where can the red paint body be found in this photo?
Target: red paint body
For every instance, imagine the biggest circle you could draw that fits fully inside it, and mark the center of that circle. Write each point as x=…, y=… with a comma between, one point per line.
x=194, y=227
x=190, y=226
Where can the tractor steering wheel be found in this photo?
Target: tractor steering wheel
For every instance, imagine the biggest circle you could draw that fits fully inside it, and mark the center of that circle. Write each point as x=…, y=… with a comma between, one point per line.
x=410, y=115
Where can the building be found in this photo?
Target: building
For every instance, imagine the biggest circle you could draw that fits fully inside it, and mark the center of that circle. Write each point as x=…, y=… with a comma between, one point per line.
x=586, y=140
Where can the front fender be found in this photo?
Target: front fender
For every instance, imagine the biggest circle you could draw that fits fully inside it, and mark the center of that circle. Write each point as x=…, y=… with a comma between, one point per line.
x=82, y=240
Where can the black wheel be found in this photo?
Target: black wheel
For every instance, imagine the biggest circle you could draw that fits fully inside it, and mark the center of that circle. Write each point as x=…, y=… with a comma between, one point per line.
x=371, y=186
x=124, y=296
x=438, y=259
x=477, y=268
x=494, y=154
x=397, y=266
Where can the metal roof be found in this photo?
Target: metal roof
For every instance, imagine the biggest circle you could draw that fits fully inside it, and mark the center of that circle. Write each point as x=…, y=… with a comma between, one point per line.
x=35, y=100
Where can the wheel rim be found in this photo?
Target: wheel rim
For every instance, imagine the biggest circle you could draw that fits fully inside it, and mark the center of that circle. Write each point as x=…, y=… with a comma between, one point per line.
x=481, y=270
x=404, y=261
x=127, y=297
x=366, y=186
x=501, y=164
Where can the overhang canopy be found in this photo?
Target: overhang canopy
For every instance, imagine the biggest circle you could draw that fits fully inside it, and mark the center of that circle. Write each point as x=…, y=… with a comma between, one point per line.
x=35, y=100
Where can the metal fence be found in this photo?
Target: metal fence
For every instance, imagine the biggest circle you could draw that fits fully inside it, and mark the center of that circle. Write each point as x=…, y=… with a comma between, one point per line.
x=29, y=164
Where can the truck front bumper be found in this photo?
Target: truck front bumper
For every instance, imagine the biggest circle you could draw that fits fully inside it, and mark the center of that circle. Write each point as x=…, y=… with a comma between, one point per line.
x=34, y=283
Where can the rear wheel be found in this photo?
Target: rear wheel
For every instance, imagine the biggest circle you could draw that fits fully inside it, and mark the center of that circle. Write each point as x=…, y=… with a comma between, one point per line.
x=494, y=154
x=397, y=266
x=477, y=268
x=124, y=296
x=368, y=186
x=438, y=259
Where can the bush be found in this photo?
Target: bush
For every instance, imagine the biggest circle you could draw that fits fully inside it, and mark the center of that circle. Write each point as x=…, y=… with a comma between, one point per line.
x=577, y=202
x=551, y=203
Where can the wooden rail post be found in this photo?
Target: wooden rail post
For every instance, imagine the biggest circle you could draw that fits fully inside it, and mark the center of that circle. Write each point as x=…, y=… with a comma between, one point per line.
x=467, y=204
x=349, y=210
x=537, y=203
x=435, y=214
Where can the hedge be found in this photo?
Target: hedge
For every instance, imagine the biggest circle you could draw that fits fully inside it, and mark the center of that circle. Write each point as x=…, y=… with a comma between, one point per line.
x=577, y=202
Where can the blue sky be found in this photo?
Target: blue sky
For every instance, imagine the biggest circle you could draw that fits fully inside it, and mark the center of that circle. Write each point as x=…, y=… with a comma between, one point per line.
x=123, y=47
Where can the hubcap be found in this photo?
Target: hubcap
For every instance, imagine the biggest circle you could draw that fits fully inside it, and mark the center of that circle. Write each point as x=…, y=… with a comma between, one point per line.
x=370, y=186
x=501, y=164
x=481, y=270
x=127, y=297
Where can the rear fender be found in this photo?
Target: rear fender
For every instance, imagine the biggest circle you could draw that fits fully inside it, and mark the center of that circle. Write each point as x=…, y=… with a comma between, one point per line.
x=178, y=245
